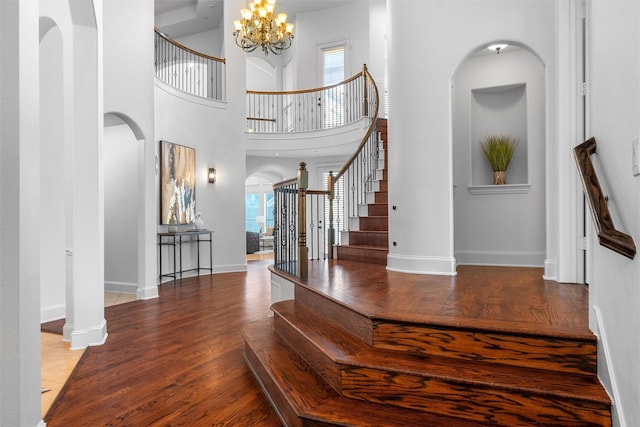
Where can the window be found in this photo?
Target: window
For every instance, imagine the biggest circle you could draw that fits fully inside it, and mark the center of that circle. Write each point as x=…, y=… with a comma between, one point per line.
x=258, y=210
x=333, y=71
x=252, y=210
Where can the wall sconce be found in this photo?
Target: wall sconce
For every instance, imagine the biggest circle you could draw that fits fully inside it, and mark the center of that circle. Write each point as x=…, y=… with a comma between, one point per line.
x=212, y=175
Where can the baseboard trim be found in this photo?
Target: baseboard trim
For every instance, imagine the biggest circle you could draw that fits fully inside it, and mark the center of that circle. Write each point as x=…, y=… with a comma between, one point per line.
x=230, y=268
x=121, y=287
x=550, y=270
x=52, y=312
x=606, y=373
x=80, y=339
x=501, y=258
x=422, y=265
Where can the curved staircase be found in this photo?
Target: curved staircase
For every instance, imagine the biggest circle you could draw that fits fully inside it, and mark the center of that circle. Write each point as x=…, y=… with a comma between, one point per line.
x=368, y=237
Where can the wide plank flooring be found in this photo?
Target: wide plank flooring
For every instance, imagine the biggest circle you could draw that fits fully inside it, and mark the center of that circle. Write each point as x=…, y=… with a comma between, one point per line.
x=177, y=360
x=174, y=361
x=491, y=298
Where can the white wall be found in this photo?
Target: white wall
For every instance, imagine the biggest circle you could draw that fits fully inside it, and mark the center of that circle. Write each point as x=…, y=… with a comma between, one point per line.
x=500, y=225
x=420, y=113
x=614, y=118
x=19, y=215
x=207, y=42
x=207, y=126
x=349, y=22
x=129, y=96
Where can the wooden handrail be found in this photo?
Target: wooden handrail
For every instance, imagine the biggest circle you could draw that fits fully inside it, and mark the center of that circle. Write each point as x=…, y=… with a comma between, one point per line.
x=364, y=140
x=299, y=91
x=260, y=119
x=608, y=236
x=183, y=47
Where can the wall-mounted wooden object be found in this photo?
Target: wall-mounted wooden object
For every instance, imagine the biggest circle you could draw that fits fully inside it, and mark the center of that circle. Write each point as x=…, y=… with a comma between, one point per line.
x=608, y=236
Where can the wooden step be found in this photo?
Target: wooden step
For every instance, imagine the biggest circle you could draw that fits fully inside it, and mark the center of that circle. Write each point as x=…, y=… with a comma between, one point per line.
x=378, y=239
x=377, y=209
x=289, y=384
x=555, y=353
x=374, y=223
x=300, y=397
x=381, y=185
x=561, y=352
x=377, y=197
x=477, y=391
x=370, y=254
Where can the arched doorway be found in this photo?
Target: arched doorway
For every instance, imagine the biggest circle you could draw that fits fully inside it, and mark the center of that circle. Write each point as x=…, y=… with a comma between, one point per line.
x=259, y=214
x=121, y=210
x=499, y=94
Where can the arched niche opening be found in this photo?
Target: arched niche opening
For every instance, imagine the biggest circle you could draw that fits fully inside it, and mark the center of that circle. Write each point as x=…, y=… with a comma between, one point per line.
x=499, y=94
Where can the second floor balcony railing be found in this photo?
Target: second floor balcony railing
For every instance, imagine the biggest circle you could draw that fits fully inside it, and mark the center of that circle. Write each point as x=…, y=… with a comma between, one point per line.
x=187, y=70
x=311, y=109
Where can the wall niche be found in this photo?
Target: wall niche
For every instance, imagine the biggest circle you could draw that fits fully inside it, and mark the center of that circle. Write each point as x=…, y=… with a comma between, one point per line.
x=498, y=110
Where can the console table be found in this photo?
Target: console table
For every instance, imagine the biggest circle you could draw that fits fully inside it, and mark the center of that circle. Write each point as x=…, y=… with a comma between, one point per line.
x=186, y=237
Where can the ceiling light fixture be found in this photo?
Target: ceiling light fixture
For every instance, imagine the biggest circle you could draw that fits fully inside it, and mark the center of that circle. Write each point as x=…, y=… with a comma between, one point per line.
x=261, y=27
x=497, y=47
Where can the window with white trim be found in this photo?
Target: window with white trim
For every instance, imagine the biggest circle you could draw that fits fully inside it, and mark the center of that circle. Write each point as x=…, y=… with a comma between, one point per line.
x=333, y=71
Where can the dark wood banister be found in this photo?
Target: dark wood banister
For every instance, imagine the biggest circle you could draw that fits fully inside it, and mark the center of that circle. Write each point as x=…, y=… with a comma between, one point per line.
x=608, y=236
x=183, y=47
x=364, y=140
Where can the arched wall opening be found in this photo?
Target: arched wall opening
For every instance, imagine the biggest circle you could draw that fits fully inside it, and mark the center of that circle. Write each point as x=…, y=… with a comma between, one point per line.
x=53, y=171
x=495, y=95
x=123, y=147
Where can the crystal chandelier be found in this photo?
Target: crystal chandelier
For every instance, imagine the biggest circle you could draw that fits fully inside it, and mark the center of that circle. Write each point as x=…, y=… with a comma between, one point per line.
x=260, y=27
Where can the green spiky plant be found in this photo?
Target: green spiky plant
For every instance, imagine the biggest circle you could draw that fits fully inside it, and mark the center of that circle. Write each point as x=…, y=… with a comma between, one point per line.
x=499, y=151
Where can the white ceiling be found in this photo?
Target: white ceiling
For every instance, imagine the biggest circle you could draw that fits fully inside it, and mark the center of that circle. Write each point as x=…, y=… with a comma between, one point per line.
x=179, y=18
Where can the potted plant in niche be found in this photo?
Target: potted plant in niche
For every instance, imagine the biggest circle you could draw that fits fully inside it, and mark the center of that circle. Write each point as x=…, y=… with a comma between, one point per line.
x=499, y=151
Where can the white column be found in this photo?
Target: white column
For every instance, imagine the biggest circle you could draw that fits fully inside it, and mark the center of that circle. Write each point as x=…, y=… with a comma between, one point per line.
x=420, y=175
x=19, y=215
x=85, y=323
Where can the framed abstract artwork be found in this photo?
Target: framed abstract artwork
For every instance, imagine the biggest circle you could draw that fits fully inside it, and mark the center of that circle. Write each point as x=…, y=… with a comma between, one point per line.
x=177, y=184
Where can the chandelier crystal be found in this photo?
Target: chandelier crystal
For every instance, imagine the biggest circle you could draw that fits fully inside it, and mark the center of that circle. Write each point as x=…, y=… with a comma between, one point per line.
x=261, y=27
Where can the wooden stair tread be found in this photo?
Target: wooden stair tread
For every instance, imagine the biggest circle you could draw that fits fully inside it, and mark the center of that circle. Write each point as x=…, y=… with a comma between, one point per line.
x=345, y=349
x=309, y=398
x=368, y=247
x=286, y=371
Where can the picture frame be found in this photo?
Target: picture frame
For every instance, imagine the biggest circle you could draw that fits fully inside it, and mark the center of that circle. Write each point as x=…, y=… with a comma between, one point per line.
x=177, y=184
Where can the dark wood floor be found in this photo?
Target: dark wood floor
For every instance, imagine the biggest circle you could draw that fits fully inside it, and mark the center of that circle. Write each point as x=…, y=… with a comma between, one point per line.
x=491, y=298
x=177, y=360
x=174, y=361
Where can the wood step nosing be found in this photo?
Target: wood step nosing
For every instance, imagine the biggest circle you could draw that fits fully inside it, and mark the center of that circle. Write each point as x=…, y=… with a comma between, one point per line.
x=352, y=353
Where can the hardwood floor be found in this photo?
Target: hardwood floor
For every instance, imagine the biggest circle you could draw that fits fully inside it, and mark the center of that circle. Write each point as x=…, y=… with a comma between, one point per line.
x=178, y=359
x=175, y=360
x=57, y=360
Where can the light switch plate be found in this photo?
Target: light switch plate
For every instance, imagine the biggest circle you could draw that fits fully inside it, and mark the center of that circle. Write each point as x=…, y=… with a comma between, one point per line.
x=635, y=155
